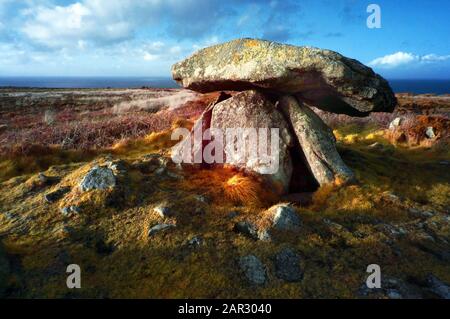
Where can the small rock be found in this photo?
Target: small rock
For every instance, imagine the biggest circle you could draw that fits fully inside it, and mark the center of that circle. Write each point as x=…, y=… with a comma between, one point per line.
x=393, y=294
x=118, y=166
x=438, y=287
x=195, y=241
x=391, y=196
x=253, y=269
x=47, y=180
x=65, y=211
x=69, y=210
x=430, y=132
x=163, y=211
x=264, y=235
x=287, y=265
x=201, y=199
x=247, y=229
x=98, y=177
x=395, y=123
x=42, y=178
x=419, y=213
x=285, y=218
x=376, y=146
x=232, y=215
x=3, y=127
x=75, y=209
x=250, y=230
x=172, y=175
x=160, y=227
x=56, y=195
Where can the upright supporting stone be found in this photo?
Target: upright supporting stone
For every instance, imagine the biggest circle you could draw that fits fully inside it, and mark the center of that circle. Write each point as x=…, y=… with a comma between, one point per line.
x=317, y=141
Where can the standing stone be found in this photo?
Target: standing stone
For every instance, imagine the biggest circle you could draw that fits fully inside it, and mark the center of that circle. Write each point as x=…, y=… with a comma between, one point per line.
x=317, y=141
x=324, y=78
x=252, y=110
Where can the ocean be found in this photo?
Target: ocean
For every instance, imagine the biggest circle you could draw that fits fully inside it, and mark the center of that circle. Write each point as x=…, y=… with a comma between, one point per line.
x=398, y=85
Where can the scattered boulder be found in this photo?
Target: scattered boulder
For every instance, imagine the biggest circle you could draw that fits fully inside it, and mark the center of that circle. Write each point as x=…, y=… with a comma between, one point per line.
x=415, y=212
x=391, y=288
x=317, y=142
x=376, y=146
x=47, y=180
x=438, y=287
x=158, y=228
x=287, y=265
x=57, y=194
x=253, y=269
x=151, y=163
x=395, y=123
x=98, y=177
x=118, y=166
x=429, y=132
x=3, y=128
x=284, y=217
x=70, y=210
x=251, y=230
x=322, y=77
x=195, y=241
x=163, y=211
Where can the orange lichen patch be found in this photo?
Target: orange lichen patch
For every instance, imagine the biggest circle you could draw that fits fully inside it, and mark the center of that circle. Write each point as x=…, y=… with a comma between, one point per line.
x=241, y=189
x=252, y=43
x=229, y=186
x=339, y=181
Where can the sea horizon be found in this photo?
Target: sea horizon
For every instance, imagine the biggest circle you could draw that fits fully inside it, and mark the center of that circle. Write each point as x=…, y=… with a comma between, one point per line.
x=415, y=86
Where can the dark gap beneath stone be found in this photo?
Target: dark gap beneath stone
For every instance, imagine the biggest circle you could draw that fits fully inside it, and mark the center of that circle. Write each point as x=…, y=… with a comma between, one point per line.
x=302, y=179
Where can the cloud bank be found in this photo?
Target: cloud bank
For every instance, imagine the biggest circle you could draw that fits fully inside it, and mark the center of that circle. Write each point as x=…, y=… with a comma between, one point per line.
x=405, y=58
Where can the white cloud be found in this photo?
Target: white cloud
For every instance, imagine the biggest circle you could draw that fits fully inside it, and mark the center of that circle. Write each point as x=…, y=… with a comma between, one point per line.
x=66, y=26
x=150, y=57
x=435, y=58
x=161, y=51
x=100, y=22
x=405, y=58
x=394, y=60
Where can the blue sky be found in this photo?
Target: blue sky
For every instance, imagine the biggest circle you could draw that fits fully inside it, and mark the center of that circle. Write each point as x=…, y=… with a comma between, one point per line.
x=145, y=37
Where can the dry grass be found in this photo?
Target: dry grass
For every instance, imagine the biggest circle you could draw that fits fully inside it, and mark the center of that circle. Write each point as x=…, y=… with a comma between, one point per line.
x=334, y=255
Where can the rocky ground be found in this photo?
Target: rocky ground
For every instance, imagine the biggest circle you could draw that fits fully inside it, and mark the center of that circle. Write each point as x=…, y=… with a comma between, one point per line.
x=86, y=178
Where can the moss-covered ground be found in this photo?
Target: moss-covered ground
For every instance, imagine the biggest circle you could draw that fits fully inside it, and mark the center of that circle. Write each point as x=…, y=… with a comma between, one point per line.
x=344, y=229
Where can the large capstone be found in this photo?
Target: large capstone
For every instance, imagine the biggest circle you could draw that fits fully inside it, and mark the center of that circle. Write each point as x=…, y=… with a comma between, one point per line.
x=322, y=78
